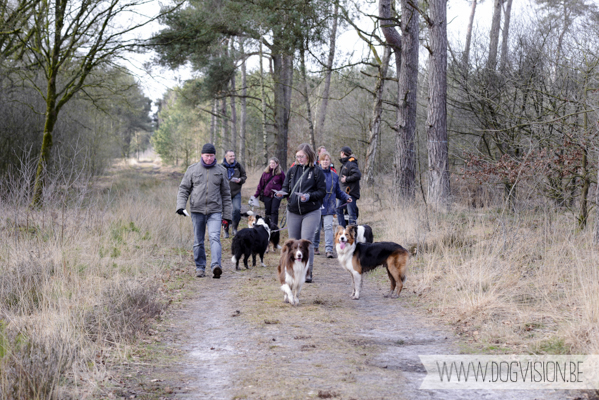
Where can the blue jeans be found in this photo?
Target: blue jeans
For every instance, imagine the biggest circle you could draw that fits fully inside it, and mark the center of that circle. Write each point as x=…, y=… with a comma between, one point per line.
x=236, y=209
x=327, y=223
x=352, y=210
x=200, y=221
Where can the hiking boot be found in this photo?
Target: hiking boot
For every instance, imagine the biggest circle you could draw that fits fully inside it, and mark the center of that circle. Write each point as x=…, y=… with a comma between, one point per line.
x=200, y=273
x=217, y=272
x=330, y=254
x=316, y=252
x=309, y=275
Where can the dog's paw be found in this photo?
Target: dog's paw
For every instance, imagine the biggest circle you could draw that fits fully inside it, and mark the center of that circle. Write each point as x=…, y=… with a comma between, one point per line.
x=237, y=268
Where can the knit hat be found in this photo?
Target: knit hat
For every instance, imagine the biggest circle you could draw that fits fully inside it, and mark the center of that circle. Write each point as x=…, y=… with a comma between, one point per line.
x=346, y=150
x=208, y=149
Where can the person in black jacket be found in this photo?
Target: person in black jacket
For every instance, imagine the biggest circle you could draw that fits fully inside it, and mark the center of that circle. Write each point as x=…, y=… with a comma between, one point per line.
x=349, y=182
x=305, y=187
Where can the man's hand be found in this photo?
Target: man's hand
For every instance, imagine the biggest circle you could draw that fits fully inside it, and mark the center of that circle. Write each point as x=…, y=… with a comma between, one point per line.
x=349, y=200
x=182, y=212
x=343, y=179
x=236, y=180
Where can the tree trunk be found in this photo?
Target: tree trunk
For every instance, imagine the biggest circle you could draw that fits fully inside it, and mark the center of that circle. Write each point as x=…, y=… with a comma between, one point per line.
x=322, y=112
x=242, y=148
x=494, y=36
x=51, y=117
x=233, y=115
x=263, y=95
x=466, y=55
x=436, y=122
x=505, y=37
x=226, y=140
x=405, y=160
x=213, y=121
x=306, y=95
x=283, y=79
x=375, y=123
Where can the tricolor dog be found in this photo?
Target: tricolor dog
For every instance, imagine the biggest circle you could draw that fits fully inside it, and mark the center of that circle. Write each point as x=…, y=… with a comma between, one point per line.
x=358, y=258
x=252, y=241
x=292, y=268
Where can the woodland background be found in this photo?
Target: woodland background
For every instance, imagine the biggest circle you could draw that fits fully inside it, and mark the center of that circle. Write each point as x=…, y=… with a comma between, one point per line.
x=479, y=153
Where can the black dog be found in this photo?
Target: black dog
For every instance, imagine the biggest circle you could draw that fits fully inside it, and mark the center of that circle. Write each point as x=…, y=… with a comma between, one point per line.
x=251, y=241
x=275, y=236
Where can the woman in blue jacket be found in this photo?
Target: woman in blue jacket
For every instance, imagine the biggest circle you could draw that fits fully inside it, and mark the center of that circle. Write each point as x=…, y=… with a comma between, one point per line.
x=328, y=209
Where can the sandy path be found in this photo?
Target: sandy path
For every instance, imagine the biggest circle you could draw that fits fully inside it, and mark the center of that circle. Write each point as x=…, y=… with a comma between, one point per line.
x=239, y=341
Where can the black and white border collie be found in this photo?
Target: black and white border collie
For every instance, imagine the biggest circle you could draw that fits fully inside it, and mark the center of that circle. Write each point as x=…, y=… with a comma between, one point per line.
x=364, y=234
x=275, y=236
x=292, y=268
x=252, y=241
x=358, y=258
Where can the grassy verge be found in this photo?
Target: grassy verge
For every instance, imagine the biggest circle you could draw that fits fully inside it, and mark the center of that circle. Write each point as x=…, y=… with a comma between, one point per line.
x=507, y=283
x=83, y=280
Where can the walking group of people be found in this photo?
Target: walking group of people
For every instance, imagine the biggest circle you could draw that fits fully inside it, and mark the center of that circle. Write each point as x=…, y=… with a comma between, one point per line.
x=314, y=192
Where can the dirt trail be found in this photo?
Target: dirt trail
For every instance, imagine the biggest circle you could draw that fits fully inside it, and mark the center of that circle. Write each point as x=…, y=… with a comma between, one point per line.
x=239, y=340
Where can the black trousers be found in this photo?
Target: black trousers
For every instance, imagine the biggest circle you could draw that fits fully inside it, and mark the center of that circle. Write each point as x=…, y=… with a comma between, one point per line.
x=271, y=205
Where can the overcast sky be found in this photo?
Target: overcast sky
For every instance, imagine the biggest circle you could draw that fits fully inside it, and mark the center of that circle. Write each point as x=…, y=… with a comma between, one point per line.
x=156, y=82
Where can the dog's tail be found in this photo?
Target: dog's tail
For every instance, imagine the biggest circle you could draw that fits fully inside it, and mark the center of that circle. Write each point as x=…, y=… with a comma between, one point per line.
x=234, y=259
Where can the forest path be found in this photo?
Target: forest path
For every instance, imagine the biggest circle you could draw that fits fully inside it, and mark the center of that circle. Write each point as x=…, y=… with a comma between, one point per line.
x=238, y=340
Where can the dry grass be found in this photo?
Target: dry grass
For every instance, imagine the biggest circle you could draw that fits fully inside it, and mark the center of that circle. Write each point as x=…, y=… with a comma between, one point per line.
x=525, y=283
x=83, y=278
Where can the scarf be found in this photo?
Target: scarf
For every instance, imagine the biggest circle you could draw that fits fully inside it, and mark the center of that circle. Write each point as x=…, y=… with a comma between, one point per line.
x=208, y=165
x=230, y=168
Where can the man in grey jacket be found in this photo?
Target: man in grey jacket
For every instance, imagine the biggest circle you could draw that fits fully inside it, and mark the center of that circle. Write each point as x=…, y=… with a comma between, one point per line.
x=206, y=186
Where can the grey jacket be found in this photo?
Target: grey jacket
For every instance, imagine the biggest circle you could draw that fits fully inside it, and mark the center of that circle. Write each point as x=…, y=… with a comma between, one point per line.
x=207, y=189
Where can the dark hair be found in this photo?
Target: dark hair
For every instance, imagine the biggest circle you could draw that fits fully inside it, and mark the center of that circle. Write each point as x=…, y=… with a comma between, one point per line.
x=305, y=147
x=277, y=170
x=229, y=151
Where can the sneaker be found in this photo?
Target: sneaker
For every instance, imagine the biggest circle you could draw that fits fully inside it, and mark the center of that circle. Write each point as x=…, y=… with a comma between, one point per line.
x=316, y=252
x=217, y=272
x=330, y=254
x=226, y=234
x=200, y=273
x=234, y=231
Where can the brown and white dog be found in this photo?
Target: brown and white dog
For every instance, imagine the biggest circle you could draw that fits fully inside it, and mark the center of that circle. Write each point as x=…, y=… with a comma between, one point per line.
x=292, y=268
x=358, y=258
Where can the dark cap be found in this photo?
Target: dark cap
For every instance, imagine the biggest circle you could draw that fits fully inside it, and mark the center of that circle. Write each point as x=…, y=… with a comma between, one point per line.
x=208, y=149
x=346, y=150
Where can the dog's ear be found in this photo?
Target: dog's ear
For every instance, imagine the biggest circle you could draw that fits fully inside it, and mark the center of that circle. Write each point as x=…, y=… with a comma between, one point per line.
x=353, y=229
x=305, y=241
x=339, y=229
x=288, y=243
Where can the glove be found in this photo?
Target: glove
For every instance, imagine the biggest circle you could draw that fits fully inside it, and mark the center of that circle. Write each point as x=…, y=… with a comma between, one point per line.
x=180, y=212
x=226, y=223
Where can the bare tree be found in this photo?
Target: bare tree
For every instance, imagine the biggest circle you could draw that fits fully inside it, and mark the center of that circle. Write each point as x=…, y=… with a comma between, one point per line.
x=494, y=35
x=377, y=110
x=306, y=93
x=242, y=133
x=322, y=111
x=263, y=103
x=405, y=160
x=506, y=33
x=466, y=54
x=436, y=122
x=71, y=40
